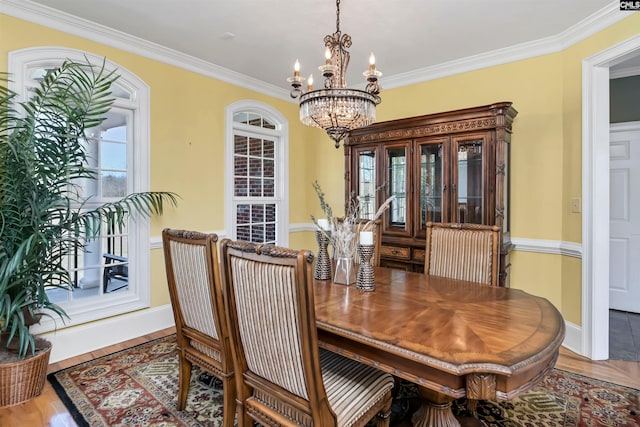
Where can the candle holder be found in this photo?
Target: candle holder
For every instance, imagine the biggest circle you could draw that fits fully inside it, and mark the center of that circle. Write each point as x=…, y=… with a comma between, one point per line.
x=366, y=277
x=322, y=270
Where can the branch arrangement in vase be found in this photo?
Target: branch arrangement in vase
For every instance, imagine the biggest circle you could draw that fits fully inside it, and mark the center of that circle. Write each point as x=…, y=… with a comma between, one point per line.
x=343, y=232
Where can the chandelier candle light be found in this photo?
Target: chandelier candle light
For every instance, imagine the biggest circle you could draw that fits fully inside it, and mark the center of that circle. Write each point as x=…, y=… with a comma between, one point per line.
x=336, y=108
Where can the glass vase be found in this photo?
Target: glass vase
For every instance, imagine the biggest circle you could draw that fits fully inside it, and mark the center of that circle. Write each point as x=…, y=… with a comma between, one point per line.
x=345, y=272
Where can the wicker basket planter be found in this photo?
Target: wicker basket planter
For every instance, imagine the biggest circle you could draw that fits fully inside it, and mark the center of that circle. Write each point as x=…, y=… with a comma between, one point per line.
x=24, y=379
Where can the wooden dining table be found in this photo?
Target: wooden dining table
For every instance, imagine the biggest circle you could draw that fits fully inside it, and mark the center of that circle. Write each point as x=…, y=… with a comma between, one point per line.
x=451, y=338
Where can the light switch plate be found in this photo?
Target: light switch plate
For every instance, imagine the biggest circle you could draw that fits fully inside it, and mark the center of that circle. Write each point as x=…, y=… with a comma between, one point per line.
x=576, y=206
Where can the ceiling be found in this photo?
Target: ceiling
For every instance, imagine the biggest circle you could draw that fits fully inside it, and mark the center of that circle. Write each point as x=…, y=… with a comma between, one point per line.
x=262, y=39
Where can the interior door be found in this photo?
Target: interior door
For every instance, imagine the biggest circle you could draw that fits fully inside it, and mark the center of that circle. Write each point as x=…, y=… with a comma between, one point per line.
x=624, y=220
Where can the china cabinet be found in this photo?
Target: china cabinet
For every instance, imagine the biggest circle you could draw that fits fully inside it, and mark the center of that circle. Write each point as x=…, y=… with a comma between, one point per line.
x=444, y=167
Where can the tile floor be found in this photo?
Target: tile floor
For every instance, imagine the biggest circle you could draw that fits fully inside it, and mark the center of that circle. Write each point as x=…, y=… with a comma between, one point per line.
x=624, y=336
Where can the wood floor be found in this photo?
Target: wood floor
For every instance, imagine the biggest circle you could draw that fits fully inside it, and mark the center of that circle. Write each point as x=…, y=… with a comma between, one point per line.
x=48, y=410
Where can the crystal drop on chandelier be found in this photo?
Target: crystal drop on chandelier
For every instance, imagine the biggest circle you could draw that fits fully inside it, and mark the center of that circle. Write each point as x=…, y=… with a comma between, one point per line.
x=338, y=111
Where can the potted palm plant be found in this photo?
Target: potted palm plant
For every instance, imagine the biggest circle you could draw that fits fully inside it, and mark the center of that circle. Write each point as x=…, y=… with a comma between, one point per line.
x=43, y=160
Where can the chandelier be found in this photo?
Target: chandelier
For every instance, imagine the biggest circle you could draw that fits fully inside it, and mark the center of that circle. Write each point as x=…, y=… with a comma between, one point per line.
x=336, y=108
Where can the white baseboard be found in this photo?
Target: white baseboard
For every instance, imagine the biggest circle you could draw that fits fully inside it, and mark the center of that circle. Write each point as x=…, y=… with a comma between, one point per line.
x=77, y=340
x=573, y=337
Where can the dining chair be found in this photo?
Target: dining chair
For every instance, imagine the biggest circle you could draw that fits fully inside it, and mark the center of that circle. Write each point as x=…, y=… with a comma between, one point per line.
x=463, y=251
x=376, y=228
x=283, y=378
x=466, y=252
x=193, y=275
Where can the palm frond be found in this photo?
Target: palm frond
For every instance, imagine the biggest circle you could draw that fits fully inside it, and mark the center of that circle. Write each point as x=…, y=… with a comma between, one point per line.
x=136, y=204
x=43, y=216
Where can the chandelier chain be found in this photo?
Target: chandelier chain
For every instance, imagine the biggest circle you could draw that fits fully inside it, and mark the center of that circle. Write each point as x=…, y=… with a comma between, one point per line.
x=336, y=108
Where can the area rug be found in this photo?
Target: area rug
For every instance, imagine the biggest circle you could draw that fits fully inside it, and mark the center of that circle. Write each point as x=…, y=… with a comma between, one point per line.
x=138, y=387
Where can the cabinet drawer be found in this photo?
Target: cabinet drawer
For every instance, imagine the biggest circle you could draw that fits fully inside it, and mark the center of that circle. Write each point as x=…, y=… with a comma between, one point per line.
x=418, y=254
x=394, y=252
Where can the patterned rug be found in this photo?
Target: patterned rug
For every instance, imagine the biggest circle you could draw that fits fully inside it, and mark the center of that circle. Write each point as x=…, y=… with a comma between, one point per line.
x=138, y=387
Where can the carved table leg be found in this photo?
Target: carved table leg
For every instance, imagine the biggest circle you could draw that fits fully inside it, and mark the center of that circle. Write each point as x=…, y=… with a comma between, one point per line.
x=479, y=386
x=435, y=410
x=433, y=414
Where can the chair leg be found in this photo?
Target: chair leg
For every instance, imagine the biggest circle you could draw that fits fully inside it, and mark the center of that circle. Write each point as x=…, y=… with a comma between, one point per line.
x=244, y=420
x=184, y=378
x=229, y=401
x=384, y=416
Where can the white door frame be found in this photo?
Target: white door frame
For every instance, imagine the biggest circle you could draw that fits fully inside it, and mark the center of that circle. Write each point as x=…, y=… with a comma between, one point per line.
x=595, y=195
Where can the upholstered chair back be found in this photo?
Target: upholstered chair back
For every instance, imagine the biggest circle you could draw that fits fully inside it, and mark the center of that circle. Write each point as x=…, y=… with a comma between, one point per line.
x=282, y=376
x=192, y=266
x=463, y=251
x=274, y=285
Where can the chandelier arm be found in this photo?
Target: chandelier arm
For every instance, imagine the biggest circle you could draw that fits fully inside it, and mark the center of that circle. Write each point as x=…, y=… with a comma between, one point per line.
x=373, y=88
x=344, y=43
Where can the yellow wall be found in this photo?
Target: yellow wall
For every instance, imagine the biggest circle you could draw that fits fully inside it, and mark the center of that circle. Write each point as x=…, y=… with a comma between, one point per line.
x=187, y=136
x=546, y=150
x=187, y=145
x=534, y=86
x=572, y=57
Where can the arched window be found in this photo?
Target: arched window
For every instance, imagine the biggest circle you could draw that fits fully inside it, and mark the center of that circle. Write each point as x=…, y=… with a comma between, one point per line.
x=112, y=277
x=257, y=188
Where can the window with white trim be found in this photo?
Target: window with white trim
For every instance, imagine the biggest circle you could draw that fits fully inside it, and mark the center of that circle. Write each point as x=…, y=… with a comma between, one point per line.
x=112, y=276
x=257, y=174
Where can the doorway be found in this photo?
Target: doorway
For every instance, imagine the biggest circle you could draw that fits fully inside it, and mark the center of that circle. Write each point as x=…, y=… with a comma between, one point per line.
x=624, y=237
x=624, y=220
x=596, y=194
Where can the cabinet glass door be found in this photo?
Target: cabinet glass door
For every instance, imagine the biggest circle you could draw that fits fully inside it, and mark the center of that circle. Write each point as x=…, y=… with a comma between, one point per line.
x=398, y=186
x=433, y=200
x=366, y=182
x=469, y=182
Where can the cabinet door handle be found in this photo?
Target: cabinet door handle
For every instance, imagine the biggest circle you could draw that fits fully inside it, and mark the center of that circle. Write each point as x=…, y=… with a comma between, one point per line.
x=395, y=251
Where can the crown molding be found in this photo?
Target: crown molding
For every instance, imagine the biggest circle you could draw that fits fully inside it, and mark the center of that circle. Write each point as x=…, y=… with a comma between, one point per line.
x=52, y=18
x=592, y=24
